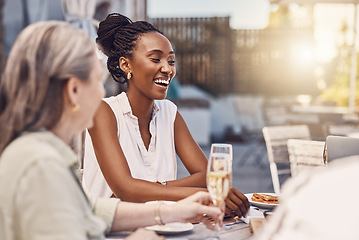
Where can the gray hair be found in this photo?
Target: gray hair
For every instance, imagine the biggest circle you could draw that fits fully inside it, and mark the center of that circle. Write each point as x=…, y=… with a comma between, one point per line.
x=44, y=56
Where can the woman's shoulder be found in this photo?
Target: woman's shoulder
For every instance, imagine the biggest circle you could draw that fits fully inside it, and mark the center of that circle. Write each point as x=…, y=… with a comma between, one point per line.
x=30, y=142
x=118, y=103
x=116, y=98
x=35, y=147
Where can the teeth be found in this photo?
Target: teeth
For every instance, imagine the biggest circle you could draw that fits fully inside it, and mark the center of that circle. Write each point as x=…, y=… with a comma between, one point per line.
x=162, y=81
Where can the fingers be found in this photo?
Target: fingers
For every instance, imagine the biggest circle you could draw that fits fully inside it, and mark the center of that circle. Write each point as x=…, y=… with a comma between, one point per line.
x=237, y=203
x=208, y=223
x=201, y=197
x=241, y=196
x=212, y=225
x=212, y=212
x=232, y=209
x=223, y=206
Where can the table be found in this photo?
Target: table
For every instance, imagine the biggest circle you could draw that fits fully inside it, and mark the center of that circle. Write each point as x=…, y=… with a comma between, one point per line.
x=238, y=231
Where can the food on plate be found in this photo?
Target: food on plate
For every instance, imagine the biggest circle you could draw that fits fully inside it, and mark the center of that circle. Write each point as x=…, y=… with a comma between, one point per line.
x=264, y=198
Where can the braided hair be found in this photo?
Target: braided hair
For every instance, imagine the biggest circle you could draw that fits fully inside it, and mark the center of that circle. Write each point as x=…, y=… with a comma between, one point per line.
x=117, y=36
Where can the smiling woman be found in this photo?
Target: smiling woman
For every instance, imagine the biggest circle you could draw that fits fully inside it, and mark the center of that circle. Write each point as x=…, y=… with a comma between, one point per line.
x=132, y=144
x=130, y=152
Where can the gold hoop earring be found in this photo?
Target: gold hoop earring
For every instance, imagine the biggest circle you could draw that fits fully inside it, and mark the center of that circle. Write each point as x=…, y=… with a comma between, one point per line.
x=129, y=75
x=75, y=107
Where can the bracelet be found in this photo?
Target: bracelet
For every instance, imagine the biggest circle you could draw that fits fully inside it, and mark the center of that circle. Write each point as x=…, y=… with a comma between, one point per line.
x=163, y=182
x=158, y=218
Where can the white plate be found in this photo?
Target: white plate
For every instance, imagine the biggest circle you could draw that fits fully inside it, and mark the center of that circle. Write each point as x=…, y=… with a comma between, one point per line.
x=171, y=228
x=260, y=204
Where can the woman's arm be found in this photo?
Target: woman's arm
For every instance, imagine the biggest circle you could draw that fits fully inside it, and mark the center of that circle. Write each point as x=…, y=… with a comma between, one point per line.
x=115, y=169
x=195, y=161
x=133, y=215
x=191, y=156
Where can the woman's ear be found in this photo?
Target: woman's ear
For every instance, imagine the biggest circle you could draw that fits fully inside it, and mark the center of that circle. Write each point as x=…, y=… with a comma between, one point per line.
x=72, y=91
x=124, y=64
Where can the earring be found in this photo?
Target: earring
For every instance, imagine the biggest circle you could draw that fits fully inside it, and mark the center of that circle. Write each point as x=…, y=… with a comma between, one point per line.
x=129, y=75
x=75, y=107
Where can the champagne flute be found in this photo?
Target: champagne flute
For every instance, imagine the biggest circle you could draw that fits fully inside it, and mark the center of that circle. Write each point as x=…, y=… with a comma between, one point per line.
x=325, y=155
x=223, y=148
x=219, y=175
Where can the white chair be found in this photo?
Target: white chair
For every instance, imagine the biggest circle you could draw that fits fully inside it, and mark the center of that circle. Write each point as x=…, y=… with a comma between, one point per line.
x=276, y=138
x=305, y=155
x=77, y=146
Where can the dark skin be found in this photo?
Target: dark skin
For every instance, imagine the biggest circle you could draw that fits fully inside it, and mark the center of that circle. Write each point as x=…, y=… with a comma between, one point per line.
x=152, y=59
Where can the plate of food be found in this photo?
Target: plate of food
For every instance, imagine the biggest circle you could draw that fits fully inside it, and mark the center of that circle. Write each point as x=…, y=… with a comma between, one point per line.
x=263, y=200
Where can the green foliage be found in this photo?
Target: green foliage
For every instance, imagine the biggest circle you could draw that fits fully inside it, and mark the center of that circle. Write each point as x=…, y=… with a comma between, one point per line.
x=279, y=18
x=339, y=91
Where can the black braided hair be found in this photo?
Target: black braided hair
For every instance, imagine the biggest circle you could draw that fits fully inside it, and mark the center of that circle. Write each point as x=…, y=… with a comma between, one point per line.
x=117, y=36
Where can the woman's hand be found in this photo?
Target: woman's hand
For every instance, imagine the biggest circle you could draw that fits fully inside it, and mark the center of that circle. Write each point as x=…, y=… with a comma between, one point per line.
x=197, y=207
x=142, y=233
x=236, y=203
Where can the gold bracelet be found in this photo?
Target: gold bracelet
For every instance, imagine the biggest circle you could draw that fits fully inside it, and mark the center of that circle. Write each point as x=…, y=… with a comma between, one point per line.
x=158, y=218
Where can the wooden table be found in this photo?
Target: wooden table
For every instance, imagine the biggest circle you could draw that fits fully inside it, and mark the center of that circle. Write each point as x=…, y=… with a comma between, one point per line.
x=238, y=231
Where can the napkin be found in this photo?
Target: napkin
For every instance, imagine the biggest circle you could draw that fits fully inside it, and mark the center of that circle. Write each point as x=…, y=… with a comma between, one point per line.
x=252, y=213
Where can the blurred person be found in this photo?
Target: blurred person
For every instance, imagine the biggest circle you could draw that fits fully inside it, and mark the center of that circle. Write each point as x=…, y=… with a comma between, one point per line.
x=318, y=204
x=49, y=91
x=130, y=152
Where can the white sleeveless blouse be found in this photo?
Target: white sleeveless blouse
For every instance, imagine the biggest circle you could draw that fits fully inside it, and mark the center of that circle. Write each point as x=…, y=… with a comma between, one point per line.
x=157, y=163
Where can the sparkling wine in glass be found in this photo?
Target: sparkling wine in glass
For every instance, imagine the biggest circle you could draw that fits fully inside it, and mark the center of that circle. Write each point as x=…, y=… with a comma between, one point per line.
x=224, y=148
x=219, y=176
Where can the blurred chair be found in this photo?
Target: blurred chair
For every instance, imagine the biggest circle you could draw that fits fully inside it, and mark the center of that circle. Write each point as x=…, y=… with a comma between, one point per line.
x=276, y=138
x=305, y=154
x=342, y=129
x=78, y=145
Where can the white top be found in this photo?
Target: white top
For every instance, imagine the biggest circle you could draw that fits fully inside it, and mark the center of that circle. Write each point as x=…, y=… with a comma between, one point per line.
x=157, y=163
x=318, y=204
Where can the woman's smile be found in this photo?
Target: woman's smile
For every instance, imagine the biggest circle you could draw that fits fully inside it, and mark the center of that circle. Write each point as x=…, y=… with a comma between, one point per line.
x=162, y=82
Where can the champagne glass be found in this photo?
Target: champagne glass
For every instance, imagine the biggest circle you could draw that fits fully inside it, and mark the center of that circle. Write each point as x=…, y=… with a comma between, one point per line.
x=219, y=175
x=223, y=148
x=325, y=155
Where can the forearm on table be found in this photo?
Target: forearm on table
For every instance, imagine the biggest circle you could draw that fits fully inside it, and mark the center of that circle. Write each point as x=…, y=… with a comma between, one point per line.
x=130, y=216
x=143, y=191
x=195, y=180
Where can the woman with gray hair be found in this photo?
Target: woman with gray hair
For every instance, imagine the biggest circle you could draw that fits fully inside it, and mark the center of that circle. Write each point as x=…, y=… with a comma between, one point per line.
x=49, y=91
